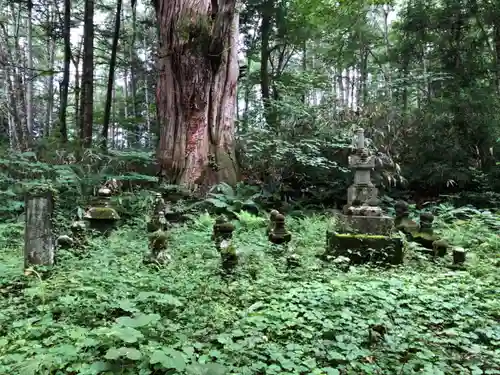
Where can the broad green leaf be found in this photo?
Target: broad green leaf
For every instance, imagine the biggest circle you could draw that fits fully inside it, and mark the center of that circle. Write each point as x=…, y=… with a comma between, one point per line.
x=130, y=353
x=170, y=359
x=217, y=203
x=127, y=334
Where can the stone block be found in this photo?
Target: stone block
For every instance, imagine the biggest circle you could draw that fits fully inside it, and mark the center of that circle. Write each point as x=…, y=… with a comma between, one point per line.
x=362, y=193
x=364, y=248
x=382, y=225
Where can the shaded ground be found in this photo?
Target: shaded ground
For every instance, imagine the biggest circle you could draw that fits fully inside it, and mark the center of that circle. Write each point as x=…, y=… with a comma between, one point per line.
x=106, y=313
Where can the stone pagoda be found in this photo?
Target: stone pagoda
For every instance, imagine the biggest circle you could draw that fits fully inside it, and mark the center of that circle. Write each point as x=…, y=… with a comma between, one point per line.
x=362, y=232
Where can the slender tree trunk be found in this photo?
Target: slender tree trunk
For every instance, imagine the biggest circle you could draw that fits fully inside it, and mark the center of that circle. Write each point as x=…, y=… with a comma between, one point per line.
x=111, y=77
x=29, y=74
x=364, y=77
x=248, y=89
x=265, y=80
x=146, y=98
x=113, y=123
x=496, y=38
x=10, y=54
x=196, y=90
x=387, y=9
x=14, y=121
x=133, y=78
x=340, y=85
x=304, y=68
x=50, y=79
x=63, y=126
x=87, y=103
x=77, y=92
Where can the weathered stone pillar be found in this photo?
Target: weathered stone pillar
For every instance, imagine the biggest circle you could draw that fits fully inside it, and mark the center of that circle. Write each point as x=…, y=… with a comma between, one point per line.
x=39, y=242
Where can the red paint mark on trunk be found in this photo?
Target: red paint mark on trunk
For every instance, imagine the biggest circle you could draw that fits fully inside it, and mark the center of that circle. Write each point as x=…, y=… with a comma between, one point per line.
x=194, y=133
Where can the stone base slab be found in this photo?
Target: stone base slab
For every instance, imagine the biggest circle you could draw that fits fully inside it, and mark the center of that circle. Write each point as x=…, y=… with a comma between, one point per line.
x=382, y=225
x=364, y=248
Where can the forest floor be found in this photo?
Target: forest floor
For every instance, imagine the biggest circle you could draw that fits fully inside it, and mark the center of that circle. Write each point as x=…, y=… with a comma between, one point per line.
x=105, y=312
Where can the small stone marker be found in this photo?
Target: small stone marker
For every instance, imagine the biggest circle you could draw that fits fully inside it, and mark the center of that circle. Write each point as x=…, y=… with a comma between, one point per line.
x=159, y=204
x=272, y=221
x=440, y=247
x=279, y=235
x=101, y=216
x=157, y=228
x=229, y=257
x=426, y=221
x=222, y=230
x=431, y=243
x=39, y=242
x=64, y=242
x=459, y=255
x=158, y=248
x=78, y=229
x=402, y=220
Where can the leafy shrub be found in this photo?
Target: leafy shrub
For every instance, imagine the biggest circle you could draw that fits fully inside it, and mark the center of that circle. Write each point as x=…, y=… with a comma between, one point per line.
x=223, y=198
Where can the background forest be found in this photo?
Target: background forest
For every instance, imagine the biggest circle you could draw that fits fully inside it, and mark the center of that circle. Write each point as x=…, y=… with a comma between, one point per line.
x=422, y=77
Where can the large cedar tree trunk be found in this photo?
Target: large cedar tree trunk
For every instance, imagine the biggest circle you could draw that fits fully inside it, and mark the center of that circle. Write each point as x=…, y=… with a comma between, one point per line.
x=196, y=90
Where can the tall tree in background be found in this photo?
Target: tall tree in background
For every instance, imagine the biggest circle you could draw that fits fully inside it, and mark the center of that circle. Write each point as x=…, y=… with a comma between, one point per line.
x=87, y=101
x=196, y=90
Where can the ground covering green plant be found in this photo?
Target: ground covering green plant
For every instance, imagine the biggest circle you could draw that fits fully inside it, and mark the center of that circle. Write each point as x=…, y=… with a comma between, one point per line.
x=107, y=313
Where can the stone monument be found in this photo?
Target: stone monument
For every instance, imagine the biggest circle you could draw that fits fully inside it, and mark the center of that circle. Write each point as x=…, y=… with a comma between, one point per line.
x=226, y=247
x=363, y=232
x=222, y=230
x=279, y=235
x=272, y=219
x=39, y=242
x=101, y=216
x=429, y=241
x=402, y=221
x=158, y=246
x=158, y=219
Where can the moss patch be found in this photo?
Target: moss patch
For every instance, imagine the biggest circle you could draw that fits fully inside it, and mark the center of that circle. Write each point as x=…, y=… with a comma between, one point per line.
x=102, y=213
x=364, y=248
x=362, y=236
x=39, y=190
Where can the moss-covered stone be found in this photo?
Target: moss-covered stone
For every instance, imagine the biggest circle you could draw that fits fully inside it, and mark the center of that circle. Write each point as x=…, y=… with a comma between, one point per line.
x=102, y=219
x=364, y=248
x=41, y=190
x=279, y=235
x=102, y=213
x=229, y=257
x=272, y=218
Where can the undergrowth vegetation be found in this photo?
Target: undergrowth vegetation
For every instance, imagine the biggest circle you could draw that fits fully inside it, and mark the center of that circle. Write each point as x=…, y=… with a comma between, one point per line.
x=104, y=312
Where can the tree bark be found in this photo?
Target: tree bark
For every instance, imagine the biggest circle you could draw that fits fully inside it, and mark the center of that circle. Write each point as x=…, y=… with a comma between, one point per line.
x=63, y=128
x=51, y=47
x=38, y=237
x=111, y=77
x=76, y=63
x=87, y=101
x=29, y=65
x=196, y=91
